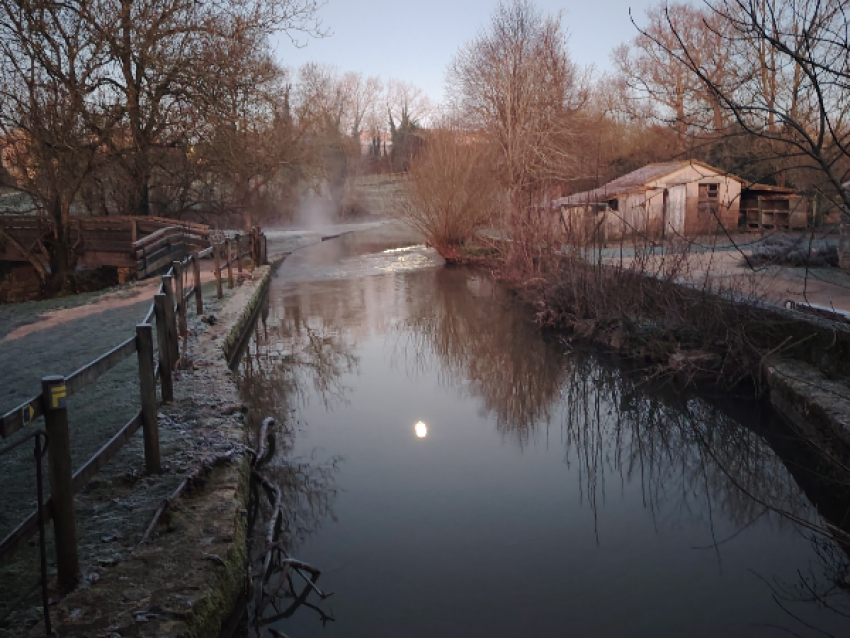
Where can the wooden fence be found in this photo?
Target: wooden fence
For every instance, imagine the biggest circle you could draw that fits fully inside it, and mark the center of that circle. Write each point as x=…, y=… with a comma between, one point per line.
x=156, y=363
x=167, y=245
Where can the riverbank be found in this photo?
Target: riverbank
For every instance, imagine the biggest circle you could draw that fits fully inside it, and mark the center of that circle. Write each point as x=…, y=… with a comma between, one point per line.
x=686, y=323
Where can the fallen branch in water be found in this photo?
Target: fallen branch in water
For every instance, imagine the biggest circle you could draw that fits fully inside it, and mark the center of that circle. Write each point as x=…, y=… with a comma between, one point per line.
x=270, y=529
x=275, y=558
x=262, y=450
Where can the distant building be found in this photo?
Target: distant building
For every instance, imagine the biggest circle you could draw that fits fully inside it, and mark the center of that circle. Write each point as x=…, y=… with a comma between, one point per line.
x=682, y=198
x=765, y=207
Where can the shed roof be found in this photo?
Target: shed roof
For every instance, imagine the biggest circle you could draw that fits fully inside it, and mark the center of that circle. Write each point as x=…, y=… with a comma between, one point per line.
x=634, y=181
x=768, y=188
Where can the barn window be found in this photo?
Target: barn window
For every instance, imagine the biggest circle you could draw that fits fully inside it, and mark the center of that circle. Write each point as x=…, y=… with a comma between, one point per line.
x=708, y=199
x=614, y=204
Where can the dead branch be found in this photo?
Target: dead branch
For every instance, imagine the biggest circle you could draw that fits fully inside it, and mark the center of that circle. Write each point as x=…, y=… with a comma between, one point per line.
x=262, y=450
x=275, y=555
x=195, y=478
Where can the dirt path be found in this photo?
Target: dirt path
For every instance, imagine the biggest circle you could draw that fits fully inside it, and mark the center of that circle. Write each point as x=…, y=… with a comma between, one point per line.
x=58, y=336
x=725, y=268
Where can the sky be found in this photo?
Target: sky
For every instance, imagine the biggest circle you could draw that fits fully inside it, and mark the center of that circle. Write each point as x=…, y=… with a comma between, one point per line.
x=415, y=41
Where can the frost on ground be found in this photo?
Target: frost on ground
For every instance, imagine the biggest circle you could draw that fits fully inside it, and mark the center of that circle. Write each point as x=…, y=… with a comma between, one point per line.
x=114, y=509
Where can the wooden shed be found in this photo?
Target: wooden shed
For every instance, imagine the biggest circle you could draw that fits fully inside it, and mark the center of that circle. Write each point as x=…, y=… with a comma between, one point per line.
x=765, y=207
x=682, y=198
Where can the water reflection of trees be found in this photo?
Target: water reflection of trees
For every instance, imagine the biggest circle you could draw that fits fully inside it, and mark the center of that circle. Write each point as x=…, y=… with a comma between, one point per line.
x=684, y=452
x=293, y=355
x=484, y=339
x=690, y=457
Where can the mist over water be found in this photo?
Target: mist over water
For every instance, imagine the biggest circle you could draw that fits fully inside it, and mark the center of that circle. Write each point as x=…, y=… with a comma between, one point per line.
x=317, y=209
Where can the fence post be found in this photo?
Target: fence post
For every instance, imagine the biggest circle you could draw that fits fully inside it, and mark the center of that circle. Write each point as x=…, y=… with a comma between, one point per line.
x=180, y=293
x=170, y=320
x=53, y=395
x=165, y=365
x=217, y=259
x=229, y=244
x=196, y=275
x=239, y=254
x=265, y=250
x=147, y=390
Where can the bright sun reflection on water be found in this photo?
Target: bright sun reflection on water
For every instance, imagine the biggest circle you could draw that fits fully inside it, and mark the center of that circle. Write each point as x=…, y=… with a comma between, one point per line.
x=421, y=430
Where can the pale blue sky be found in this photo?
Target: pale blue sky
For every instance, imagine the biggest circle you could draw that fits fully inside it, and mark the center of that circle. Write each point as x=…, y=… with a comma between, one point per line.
x=414, y=41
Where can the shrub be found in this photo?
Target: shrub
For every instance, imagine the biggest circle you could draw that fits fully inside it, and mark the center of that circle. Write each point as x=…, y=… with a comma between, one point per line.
x=793, y=251
x=450, y=192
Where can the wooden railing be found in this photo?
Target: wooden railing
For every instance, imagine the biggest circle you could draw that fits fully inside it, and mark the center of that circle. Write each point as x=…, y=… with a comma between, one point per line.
x=169, y=311
x=167, y=245
x=251, y=245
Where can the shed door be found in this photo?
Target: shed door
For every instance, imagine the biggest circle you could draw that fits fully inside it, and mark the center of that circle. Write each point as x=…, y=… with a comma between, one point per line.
x=675, y=217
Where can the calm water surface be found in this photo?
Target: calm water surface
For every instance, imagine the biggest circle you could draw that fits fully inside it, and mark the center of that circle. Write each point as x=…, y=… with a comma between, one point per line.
x=542, y=493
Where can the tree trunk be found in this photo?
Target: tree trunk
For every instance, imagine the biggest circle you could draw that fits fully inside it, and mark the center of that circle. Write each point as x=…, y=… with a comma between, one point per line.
x=140, y=193
x=144, y=208
x=61, y=256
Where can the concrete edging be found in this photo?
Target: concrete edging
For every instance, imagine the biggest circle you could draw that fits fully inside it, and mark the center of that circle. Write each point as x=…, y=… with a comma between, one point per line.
x=222, y=598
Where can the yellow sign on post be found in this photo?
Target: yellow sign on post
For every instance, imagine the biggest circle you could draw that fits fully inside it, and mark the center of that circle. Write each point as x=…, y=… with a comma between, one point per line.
x=57, y=397
x=27, y=414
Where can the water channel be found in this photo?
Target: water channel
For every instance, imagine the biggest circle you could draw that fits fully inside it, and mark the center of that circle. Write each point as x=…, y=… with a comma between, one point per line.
x=454, y=472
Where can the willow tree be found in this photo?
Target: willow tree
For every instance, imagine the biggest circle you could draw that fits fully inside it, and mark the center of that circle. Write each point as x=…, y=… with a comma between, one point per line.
x=449, y=193
x=517, y=85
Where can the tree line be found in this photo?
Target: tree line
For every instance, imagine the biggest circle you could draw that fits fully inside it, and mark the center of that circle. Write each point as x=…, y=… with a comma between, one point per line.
x=757, y=88
x=178, y=107
x=174, y=107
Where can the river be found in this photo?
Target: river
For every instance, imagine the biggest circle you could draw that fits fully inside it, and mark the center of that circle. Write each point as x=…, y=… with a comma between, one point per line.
x=454, y=472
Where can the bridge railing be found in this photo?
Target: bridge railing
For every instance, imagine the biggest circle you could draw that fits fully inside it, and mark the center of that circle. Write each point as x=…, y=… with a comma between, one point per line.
x=98, y=240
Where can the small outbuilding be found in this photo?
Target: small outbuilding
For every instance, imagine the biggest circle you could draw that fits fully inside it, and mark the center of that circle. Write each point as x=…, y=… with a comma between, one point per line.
x=765, y=207
x=681, y=198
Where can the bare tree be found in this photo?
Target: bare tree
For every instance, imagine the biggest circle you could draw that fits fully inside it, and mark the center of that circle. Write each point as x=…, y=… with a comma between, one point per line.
x=406, y=100
x=450, y=192
x=654, y=75
x=320, y=101
x=53, y=73
x=516, y=83
x=361, y=98
x=790, y=80
x=158, y=72
x=248, y=140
